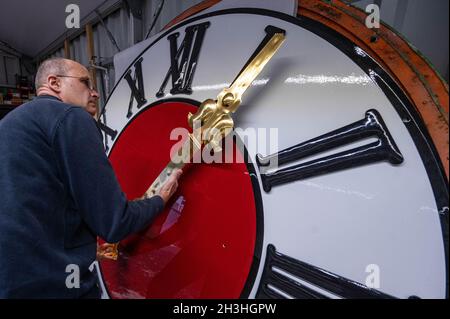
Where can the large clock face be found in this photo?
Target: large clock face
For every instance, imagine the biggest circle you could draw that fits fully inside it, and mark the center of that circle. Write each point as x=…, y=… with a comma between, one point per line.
x=355, y=208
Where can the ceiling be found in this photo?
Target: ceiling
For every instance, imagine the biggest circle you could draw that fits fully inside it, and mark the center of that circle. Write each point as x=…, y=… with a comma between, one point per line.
x=29, y=26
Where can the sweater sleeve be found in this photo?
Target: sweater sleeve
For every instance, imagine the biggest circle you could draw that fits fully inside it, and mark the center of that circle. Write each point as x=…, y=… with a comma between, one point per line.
x=92, y=182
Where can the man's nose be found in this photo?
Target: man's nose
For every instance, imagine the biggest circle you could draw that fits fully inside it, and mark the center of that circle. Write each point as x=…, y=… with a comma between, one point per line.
x=94, y=93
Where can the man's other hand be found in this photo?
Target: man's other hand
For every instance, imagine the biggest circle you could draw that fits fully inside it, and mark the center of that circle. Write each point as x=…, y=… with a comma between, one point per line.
x=106, y=251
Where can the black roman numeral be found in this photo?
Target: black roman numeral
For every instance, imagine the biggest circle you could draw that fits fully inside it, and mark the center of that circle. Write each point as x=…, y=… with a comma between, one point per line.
x=372, y=125
x=182, y=71
x=137, y=92
x=108, y=131
x=273, y=282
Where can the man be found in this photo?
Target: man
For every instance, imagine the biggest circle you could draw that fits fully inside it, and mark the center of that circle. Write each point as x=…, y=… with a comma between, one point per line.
x=58, y=189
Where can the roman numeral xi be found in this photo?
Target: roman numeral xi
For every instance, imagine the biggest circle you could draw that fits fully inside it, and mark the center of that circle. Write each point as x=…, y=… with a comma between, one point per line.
x=136, y=85
x=184, y=59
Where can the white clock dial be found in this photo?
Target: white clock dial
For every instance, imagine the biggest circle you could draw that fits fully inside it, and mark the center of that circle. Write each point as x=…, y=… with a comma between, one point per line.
x=370, y=200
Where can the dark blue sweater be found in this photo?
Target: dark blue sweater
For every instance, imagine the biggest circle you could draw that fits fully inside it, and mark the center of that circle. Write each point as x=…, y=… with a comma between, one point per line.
x=57, y=193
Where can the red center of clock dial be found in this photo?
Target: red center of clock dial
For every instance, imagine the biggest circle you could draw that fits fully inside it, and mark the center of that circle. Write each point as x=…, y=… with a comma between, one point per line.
x=202, y=245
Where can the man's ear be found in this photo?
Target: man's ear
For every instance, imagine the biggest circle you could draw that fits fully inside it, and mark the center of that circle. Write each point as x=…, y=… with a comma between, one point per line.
x=54, y=83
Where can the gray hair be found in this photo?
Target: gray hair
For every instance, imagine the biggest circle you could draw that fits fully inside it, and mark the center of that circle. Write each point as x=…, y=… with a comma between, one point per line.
x=57, y=66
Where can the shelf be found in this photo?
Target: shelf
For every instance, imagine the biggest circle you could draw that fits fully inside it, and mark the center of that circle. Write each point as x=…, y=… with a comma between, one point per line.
x=8, y=106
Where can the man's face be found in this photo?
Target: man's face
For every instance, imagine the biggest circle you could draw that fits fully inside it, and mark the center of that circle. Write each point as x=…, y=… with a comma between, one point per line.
x=76, y=88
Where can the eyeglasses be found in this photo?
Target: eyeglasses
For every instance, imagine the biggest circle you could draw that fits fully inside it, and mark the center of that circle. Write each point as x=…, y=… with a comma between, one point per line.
x=85, y=80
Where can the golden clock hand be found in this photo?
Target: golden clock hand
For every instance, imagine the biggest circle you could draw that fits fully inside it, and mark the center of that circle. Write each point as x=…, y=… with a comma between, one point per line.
x=214, y=116
x=214, y=120
x=230, y=98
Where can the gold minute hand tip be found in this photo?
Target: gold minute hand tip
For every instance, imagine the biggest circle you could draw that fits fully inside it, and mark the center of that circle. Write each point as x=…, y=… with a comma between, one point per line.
x=230, y=98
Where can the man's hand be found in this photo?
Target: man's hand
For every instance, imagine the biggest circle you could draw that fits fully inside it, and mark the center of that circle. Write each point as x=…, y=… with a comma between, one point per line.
x=170, y=187
x=110, y=251
x=107, y=251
